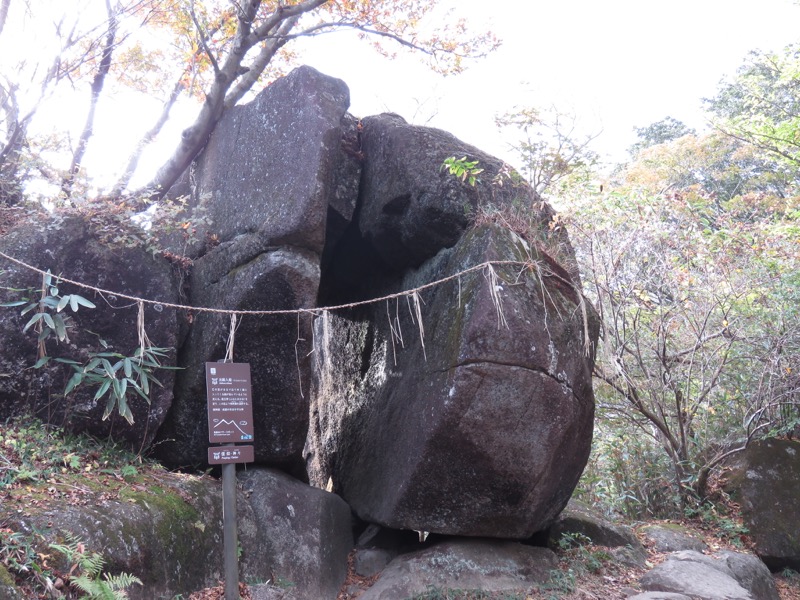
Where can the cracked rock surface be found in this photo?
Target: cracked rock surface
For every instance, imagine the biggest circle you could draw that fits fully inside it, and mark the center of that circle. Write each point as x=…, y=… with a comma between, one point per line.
x=476, y=420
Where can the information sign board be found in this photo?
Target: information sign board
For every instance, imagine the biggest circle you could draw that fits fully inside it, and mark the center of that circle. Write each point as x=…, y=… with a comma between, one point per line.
x=222, y=455
x=230, y=403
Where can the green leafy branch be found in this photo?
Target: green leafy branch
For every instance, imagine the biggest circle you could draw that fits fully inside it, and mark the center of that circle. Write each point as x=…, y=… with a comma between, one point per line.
x=463, y=169
x=118, y=376
x=49, y=317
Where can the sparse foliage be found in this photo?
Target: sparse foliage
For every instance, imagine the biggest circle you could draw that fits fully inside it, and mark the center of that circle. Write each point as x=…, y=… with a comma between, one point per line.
x=550, y=148
x=660, y=132
x=714, y=165
x=699, y=310
x=71, y=44
x=213, y=52
x=263, y=28
x=691, y=262
x=760, y=106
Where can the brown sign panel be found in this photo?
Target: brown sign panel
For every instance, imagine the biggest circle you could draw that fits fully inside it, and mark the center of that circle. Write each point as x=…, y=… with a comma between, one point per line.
x=230, y=403
x=221, y=455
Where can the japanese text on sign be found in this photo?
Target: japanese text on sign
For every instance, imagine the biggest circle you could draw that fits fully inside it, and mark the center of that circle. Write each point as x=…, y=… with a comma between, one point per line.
x=230, y=404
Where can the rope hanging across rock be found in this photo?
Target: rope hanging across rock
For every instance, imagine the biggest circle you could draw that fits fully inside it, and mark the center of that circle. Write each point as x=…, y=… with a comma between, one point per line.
x=487, y=266
x=413, y=293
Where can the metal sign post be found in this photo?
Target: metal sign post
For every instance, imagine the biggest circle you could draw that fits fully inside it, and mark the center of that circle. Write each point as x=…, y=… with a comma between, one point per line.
x=229, y=532
x=230, y=419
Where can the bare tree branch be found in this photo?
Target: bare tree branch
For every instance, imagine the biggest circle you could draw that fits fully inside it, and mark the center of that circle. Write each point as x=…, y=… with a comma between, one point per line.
x=203, y=37
x=147, y=138
x=96, y=89
x=256, y=68
x=4, y=13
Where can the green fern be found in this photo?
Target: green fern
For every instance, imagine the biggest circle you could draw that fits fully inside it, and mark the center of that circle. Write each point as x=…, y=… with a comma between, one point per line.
x=110, y=587
x=90, y=566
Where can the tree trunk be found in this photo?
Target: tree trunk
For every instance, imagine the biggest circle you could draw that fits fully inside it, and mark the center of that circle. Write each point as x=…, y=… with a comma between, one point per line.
x=273, y=31
x=193, y=140
x=68, y=181
x=147, y=139
x=10, y=185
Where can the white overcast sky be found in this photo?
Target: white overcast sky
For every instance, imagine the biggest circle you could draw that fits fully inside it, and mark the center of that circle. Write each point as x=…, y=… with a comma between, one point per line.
x=618, y=64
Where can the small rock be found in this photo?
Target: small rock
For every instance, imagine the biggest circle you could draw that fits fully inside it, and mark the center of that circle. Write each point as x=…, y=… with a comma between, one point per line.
x=659, y=596
x=369, y=535
x=488, y=565
x=672, y=538
x=579, y=518
x=695, y=575
x=369, y=561
x=8, y=591
x=630, y=556
x=265, y=591
x=303, y=535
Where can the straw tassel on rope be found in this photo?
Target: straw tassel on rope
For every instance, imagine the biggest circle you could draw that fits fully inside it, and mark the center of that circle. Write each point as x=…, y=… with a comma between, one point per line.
x=231, y=336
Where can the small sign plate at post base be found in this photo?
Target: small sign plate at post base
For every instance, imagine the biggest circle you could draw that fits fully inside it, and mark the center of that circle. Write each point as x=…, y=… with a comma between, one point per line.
x=223, y=455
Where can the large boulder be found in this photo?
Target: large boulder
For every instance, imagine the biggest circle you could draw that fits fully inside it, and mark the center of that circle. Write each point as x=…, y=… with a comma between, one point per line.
x=273, y=166
x=274, y=173
x=450, y=413
x=411, y=207
x=275, y=346
x=766, y=483
x=167, y=531
x=94, y=250
x=168, y=534
x=343, y=196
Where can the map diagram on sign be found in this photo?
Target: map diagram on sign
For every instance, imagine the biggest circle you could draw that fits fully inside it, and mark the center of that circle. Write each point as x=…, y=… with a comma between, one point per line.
x=222, y=424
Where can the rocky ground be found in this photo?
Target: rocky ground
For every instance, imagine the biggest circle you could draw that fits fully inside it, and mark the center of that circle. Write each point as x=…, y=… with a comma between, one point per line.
x=38, y=470
x=587, y=573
